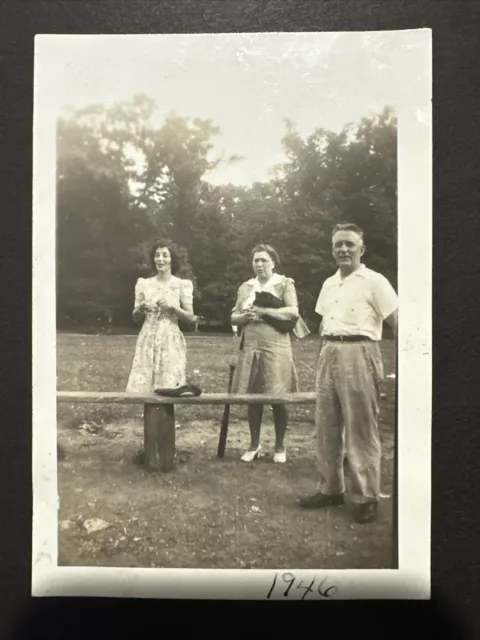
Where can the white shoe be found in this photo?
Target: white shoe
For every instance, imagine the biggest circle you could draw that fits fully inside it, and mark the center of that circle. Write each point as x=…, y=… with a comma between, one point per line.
x=280, y=457
x=249, y=456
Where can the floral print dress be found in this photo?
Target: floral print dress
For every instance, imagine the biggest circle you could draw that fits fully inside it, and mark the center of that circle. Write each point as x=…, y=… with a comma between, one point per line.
x=160, y=354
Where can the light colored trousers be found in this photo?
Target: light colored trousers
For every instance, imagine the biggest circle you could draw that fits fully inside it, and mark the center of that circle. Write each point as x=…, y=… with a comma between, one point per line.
x=347, y=385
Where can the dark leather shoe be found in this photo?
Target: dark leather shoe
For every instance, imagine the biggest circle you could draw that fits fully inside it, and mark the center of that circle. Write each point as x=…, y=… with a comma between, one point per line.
x=320, y=501
x=365, y=513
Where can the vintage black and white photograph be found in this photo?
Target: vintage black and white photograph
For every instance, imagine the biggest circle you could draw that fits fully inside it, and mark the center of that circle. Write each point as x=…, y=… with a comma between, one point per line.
x=232, y=324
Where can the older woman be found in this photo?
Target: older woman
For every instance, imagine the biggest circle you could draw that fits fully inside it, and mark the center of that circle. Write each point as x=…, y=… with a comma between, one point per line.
x=265, y=360
x=160, y=301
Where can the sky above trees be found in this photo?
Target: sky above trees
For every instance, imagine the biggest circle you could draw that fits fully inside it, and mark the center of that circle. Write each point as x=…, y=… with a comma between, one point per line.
x=248, y=84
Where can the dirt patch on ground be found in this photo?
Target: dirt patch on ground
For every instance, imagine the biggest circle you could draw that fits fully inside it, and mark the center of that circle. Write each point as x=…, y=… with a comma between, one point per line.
x=207, y=513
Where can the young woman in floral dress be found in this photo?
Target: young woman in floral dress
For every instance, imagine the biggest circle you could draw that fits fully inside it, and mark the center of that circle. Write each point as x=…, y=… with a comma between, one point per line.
x=160, y=302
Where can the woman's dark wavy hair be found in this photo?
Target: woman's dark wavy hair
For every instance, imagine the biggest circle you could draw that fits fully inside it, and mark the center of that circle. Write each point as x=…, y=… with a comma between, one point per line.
x=268, y=249
x=175, y=254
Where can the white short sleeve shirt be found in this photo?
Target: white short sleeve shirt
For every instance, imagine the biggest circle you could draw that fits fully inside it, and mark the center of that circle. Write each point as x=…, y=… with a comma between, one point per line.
x=356, y=305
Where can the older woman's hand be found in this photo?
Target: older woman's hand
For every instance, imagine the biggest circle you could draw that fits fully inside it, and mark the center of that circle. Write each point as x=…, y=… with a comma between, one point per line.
x=251, y=315
x=258, y=311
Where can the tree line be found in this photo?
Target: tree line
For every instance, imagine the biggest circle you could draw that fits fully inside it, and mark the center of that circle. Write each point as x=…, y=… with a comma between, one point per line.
x=123, y=182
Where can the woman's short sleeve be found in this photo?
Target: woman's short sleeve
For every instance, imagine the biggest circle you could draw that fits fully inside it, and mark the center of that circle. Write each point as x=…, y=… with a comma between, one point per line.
x=139, y=292
x=290, y=293
x=186, y=292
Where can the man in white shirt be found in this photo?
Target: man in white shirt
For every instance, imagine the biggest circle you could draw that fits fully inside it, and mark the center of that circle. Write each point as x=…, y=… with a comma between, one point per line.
x=353, y=304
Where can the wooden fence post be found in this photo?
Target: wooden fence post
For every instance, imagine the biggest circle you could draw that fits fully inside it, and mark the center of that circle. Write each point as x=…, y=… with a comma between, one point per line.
x=159, y=436
x=222, y=441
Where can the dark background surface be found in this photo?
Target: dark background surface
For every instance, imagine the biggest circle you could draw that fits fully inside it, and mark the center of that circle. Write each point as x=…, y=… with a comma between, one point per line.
x=455, y=604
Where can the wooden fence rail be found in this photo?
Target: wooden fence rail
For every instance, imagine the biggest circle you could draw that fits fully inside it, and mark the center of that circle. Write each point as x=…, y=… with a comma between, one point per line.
x=159, y=416
x=119, y=397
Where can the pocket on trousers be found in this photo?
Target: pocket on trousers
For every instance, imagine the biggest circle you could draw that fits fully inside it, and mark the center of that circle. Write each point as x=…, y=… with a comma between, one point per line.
x=373, y=359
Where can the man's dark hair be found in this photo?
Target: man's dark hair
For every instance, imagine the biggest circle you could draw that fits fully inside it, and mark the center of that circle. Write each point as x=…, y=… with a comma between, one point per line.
x=348, y=226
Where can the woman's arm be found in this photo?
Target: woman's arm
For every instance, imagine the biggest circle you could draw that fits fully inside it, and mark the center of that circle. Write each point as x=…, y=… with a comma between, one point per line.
x=139, y=307
x=289, y=311
x=239, y=316
x=284, y=313
x=138, y=314
x=184, y=310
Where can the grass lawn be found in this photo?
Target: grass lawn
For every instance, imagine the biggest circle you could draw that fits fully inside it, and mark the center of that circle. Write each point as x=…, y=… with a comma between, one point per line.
x=207, y=513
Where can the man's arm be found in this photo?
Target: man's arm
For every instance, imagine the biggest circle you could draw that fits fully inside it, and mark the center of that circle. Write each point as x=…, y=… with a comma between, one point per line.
x=386, y=302
x=392, y=321
x=321, y=340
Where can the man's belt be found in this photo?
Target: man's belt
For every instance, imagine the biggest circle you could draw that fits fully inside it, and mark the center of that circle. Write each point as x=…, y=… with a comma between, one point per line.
x=346, y=338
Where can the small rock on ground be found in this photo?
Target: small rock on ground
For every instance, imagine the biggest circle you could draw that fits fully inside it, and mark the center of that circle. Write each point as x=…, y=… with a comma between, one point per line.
x=95, y=524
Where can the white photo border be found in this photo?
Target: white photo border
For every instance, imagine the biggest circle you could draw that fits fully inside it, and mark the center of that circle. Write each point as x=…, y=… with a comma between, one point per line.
x=412, y=578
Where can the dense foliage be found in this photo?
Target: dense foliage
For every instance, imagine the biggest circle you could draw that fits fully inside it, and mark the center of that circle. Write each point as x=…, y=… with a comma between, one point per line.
x=123, y=181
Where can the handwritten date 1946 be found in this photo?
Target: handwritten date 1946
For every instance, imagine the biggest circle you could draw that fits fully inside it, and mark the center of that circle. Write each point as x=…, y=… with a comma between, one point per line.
x=321, y=588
